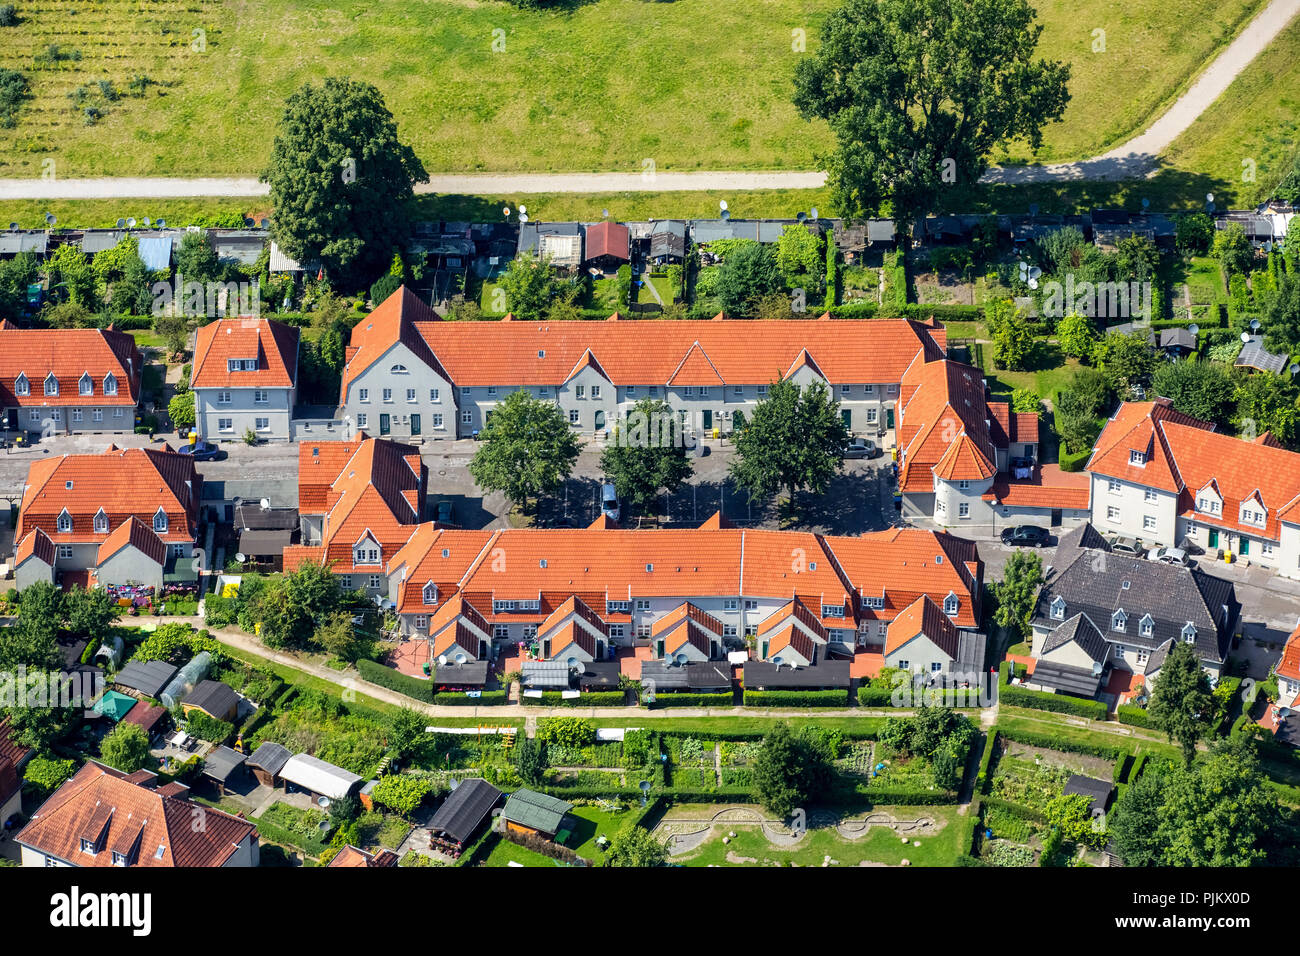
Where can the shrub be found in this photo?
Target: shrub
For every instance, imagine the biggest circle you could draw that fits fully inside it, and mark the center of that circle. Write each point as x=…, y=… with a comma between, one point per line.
x=572, y=732
x=401, y=792
x=208, y=728
x=1133, y=715
x=42, y=775
x=796, y=698
x=1016, y=696
x=383, y=287
x=14, y=91
x=553, y=698
x=8, y=15
x=395, y=680
x=674, y=699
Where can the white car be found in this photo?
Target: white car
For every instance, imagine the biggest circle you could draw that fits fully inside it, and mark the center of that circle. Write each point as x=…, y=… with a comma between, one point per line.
x=1175, y=556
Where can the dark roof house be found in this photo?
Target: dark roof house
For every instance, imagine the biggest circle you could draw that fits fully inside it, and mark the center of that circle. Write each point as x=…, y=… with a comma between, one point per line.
x=464, y=811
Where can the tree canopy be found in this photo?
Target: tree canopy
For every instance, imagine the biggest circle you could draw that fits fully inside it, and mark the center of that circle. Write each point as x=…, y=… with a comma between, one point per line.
x=1203, y=390
x=789, y=770
x=1180, y=701
x=526, y=449
x=920, y=92
x=644, y=456
x=1017, y=591
x=341, y=179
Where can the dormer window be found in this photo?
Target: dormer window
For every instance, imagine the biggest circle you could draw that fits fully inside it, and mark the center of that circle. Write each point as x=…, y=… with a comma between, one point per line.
x=1119, y=621
x=430, y=593
x=87, y=846
x=1136, y=457
x=51, y=385
x=86, y=386
x=65, y=522
x=21, y=385
x=241, y=365
x=398, y=370
x=160, y=521
x=110, y=384
x=1146, y=627
x=951, y=604
x=120, y=859
x=366, y=552
x=1189, y=633
x=101, y=522
x=1058, y=608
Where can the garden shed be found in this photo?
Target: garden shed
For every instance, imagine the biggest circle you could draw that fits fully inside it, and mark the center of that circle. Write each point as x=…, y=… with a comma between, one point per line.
x=224, y=766
x=528, y=812
x=213, y=698
x=267, y=761
x=461, y=815
x=314, y=776
x=146, y=678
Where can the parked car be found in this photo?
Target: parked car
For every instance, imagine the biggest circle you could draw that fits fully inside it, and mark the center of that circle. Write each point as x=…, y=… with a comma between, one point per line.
x=202, y=451
x=444, y=512
x=1175, y=556
x=862, y=448
x=1126, y=545
x=1026, y=536
x=609, y=502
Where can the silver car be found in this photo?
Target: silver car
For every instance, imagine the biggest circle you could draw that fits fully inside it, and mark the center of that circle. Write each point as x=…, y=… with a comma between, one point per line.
x=862, y=448
x=1175, y=556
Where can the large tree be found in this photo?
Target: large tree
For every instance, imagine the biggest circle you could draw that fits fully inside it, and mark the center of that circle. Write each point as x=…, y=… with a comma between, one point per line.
x=527, y=449
x=794, y=440
x=789, y=771
x=125, y=747
x=1200, y=389
x=645, y=455
x=1077, y=335
x=636, y=846
x=1282, y=321
x=341, y=179
x=1266, y=403
x=531, y=286
x=919, y=92
x=746, y=276
x=1180, y=702
x=1017, y=592
x=1125, y=360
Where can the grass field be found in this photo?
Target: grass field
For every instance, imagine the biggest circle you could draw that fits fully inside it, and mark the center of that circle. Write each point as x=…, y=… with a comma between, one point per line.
x=610, y=84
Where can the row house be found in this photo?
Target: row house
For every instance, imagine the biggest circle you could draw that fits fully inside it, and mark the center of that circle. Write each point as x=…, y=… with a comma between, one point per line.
x=122, y=518
x=686, y=595
x=66, y=381
x=244, y=378
x=966, y=460
x=1100, y=612
x=412, y=375
x=1165, y=477
x=358, y=504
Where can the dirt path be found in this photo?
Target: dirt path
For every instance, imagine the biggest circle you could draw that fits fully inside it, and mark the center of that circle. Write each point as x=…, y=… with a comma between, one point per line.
x=1133, y=159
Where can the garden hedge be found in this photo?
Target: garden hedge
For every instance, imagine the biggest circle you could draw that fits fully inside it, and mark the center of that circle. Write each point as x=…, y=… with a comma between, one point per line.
x=395, y=680
x=674, y=699
x=598, y=698
x=796, y=698
x=1134, y=716
x=460, y=699
x=1016, y=696
x=1050, y=742
x=982, y=780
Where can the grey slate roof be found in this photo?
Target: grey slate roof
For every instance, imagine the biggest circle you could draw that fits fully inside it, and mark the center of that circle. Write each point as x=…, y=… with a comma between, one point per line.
x=537, y=810
x=270, y=757
x=1254, y=355
x=148, y=677
x=1083, y=632
x=213, y=698
x=765, y=675
x=699, y=676
x=1065, y=679
x=1173, y=596
x=464, y=674
x=1098, y=791
x=221, y=763
x=464, y=810
x=1177, y=338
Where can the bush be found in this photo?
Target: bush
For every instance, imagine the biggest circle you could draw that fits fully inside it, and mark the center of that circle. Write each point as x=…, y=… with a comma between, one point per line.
x=383, y=287
x=796, y=698
x=42, y=776
x=395, y=680
x=8, y=15
x=1015, y=696
x=208, y=728
x=673, y=699
x=1074, y=462
x=603, y=698
x=486, y=698
x=1133, y=715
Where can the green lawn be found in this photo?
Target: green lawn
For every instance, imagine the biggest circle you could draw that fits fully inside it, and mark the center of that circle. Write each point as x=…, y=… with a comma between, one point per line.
x=504, y=853
x=880, y=845
x=597, y=85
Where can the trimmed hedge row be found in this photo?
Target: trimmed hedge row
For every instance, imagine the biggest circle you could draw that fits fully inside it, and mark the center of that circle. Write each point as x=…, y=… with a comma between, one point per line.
x=1055, y=703
x=597, y=698
x=673, y=699
x=1049, y=742
x=460, y=699
x=982, y=780
x=1017, y=810
x=1134, y=716
x=870, y=695
x=395, y=680
x=796, y=698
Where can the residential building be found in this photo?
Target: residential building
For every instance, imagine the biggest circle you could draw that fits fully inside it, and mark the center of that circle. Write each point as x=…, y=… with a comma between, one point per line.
x=1101, y=611
x=685, y=594
x=410, y=374
x=1168, y=478
x=966, y=460
x=13, y=756
x=103, y=817
x=123, y=517
x=925, y=640
x=68, y=381
x=359, y=502
x=245, y=378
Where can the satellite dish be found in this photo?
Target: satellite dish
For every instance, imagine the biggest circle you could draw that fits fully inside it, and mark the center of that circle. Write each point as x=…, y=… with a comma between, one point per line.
x=130, y=223
x=264, y=223
x=50, y=219
x=240, y=557
x=814, y=212
x=1024, y=267
x=1035, y=272
x=1146, y=203
x=248, y=223
x=442, y=660
x=800, y=216
x=1033, y=283
x=523, y=216
x=726, y=214
x=265, y=504
x=1294, y=368
x=13, y=225
x=506, y=211
x=1254, y=325
x=162, y=223
x=1194, y=328
x=1209, y=197
x=121, y=224
x=722, y=204
x=460, y=658
x=1268, y=246
x=145, y=220
x=1245, y=336
x=572, y=662
x=605, y=213
x=523, y=208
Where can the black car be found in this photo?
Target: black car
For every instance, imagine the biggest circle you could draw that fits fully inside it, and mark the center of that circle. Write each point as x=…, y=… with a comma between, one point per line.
x=201, y=451
x=1026, y=536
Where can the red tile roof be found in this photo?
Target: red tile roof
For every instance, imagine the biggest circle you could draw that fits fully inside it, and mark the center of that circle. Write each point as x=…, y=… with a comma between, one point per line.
x=273, y=344
x=157, y=830
x=608, y=239
x=35, y=544
x=123, y=482
x=1289, y=665
x=393, y=321
x=1049, y=487
x=923, y=616
x=68, y=354
x=1135, y=427
x=136, y=534
x=943, y=423
x=10, y=748
x=792, y=637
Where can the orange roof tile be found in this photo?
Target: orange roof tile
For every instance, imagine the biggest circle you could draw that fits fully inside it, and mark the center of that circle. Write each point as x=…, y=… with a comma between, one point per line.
x=1134, y=427
x=136, y=534
x=1289, y=665
x=793, y=638
x=940, y=403
x=273, y=344
x=35, y=544
x=923, y=616
x=393, y=321
x=1049, y=487
x=68, y=354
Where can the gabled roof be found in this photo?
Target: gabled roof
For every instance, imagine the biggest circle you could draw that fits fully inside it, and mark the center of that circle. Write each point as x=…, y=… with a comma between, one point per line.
x=273, y=344
x=147, y=677
x=1080, y=630
x=1136, y=426
x=36, y=544
x=923, y=617
x=123, y=482
x=136, y=534
x=793, y=638
x=213, y=697
x=157, y=830
x=1289, y=665
x=393, y=321
x=945, y=426
x=607, y=238
x=68, y=354
x=465, y=809
x=539, y=811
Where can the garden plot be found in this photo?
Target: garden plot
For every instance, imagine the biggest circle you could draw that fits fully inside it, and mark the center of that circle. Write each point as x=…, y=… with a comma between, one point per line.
x=1089, y=766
